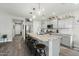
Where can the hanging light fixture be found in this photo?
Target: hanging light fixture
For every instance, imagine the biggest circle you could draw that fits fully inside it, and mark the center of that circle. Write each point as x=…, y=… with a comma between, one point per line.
x=40, y=10
x=37, y=12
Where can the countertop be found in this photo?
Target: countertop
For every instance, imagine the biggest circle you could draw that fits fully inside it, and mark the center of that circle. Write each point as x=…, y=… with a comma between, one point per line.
x=46, y=37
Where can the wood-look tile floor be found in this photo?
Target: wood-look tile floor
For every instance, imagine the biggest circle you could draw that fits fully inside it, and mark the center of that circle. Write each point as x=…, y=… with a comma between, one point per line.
x=18, y=48
x=64, y=51
x=15, y=48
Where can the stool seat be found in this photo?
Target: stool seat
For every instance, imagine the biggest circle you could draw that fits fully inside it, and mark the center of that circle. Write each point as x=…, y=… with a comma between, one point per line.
x=40, y=50
x=40, y=46
x=32, y=45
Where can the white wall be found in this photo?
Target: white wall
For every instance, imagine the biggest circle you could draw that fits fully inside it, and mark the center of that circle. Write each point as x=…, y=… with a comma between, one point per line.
x=6, y=24
x=36, y=26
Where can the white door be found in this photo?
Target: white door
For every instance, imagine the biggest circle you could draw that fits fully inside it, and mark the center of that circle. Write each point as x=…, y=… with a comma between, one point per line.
x=17, y=29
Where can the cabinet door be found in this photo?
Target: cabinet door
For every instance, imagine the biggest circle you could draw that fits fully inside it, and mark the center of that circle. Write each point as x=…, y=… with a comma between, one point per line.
x=65, y=24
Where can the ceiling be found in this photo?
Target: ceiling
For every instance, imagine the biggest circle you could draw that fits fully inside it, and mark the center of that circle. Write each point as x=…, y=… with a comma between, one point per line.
x=49, y=9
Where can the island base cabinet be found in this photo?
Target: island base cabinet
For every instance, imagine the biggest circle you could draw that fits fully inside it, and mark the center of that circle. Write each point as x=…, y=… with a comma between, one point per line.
x=54, y=46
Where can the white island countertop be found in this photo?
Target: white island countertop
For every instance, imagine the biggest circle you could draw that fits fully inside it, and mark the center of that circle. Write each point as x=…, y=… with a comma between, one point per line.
x=44, y=37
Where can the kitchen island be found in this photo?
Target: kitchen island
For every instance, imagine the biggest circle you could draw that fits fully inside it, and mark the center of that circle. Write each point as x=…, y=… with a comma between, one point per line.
x=52, y=41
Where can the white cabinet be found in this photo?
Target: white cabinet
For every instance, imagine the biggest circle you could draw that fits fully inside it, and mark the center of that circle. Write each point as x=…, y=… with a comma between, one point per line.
x=65, y=28
x=54, y=45
x=67, y=40
x=65, y=24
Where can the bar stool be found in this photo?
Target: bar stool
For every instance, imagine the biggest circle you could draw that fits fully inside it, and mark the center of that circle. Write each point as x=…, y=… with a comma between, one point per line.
x=33, y=44
x=40, y=50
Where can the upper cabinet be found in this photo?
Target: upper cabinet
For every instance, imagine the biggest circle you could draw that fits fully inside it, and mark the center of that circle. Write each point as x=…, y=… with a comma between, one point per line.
x=65, y=24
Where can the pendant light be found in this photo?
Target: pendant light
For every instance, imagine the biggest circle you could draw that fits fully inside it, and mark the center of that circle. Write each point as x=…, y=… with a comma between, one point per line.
x=39, y=11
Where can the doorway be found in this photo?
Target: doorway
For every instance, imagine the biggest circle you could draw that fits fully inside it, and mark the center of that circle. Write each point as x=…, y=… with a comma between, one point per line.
x=17, y=27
